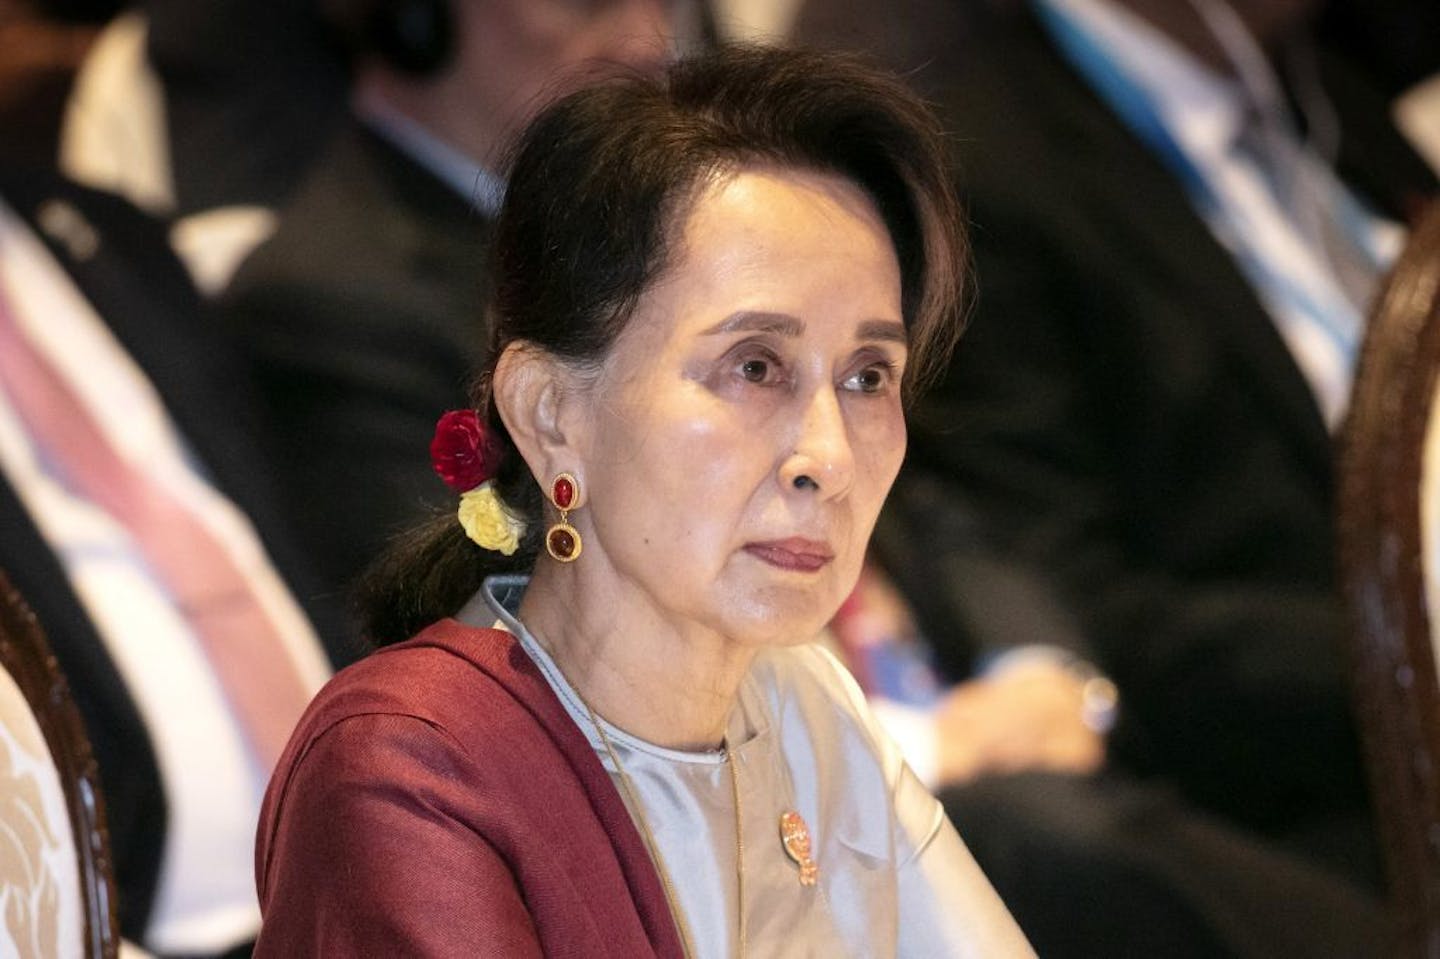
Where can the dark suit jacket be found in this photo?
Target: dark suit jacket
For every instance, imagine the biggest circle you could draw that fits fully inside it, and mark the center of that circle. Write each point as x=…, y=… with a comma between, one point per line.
x=437, y=800
x=1123, y=424
x=145, y=297
x=361, y=320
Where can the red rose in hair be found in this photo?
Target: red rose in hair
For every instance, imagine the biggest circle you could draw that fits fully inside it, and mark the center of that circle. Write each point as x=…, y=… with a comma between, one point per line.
x=464, y=452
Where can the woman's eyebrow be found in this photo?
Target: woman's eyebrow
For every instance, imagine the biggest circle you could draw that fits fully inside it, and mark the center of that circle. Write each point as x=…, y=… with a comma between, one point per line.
x=783, y=324
x=758, y=321
x=889, y=330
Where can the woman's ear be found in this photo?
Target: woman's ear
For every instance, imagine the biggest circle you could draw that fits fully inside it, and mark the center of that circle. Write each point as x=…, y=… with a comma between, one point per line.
x=530, y=389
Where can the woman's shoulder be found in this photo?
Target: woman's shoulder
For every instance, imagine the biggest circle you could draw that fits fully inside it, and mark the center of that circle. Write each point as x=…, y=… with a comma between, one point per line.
x=455, y=699
x=474, y=685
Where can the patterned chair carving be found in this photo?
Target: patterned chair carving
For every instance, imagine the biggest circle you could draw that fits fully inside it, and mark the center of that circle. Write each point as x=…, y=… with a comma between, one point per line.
x=1390, y=566
x=57, y=893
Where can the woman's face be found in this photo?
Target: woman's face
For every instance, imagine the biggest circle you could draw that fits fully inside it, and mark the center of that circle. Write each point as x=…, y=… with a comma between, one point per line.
x=742, y=434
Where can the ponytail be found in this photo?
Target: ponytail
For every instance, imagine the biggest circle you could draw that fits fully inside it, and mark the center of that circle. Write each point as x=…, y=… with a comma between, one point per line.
x=430, y=572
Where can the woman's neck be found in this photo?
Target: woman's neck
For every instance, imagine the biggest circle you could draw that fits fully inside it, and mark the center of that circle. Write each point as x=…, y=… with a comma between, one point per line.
x=668, y=683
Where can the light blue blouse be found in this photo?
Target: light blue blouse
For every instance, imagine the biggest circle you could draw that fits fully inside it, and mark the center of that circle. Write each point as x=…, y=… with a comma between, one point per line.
x=894, y=877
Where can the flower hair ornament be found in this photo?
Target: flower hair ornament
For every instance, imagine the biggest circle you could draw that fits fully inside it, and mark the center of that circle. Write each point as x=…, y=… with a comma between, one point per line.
x=467, y=456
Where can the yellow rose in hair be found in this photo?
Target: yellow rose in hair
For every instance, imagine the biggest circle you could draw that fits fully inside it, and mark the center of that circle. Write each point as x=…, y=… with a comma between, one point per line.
x=487, y=522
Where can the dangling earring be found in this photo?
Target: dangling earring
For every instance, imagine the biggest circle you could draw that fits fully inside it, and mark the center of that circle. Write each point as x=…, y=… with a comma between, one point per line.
x=562, y=541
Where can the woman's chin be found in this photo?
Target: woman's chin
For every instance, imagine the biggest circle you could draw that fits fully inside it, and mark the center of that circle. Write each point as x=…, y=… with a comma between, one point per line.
x=781, y=617
x=776, y=607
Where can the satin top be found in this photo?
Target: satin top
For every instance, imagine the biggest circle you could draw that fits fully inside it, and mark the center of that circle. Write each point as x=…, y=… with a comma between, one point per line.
x=894, y=879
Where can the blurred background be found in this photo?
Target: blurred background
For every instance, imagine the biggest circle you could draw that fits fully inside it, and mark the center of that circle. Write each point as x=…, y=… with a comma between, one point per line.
x=1101, y=614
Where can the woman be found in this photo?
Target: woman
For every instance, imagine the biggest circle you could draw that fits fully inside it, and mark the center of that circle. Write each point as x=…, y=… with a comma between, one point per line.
x=710, y=295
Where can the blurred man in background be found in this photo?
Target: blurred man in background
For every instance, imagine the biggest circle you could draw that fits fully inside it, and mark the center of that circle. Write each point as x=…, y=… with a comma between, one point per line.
x=361, y=317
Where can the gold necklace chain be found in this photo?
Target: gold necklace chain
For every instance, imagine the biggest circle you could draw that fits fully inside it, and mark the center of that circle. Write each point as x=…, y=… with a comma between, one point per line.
x=734, y=763
x=686, y=941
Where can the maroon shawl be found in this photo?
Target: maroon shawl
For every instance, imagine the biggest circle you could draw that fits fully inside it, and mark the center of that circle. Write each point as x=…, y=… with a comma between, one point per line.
x=436, y=799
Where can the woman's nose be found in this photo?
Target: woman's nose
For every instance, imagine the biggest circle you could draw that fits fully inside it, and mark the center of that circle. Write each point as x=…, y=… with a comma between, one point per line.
x=822, y=460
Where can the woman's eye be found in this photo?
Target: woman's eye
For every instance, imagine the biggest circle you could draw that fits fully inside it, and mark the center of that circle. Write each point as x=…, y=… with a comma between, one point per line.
x=761, y=368
x=756, y=371
x=872, y=379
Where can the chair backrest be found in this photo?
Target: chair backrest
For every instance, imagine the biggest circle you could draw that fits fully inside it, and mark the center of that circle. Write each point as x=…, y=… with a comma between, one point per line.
x=1387, y=558
x=57, y=890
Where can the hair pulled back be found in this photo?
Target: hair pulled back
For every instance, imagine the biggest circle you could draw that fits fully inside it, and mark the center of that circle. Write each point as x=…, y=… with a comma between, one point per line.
x=599, y=182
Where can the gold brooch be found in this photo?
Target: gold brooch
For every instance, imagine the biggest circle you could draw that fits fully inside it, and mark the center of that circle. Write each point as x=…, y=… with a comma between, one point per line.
x=795, y=836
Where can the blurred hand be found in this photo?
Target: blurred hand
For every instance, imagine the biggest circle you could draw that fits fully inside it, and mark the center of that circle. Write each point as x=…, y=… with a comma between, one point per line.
x=1026, y=717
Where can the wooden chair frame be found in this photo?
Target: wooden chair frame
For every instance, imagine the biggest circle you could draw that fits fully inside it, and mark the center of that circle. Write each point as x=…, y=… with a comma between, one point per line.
x=1382, y=569
x=26, y=656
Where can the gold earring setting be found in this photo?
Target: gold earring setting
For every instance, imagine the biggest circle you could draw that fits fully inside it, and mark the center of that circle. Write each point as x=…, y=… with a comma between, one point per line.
x=562, y=541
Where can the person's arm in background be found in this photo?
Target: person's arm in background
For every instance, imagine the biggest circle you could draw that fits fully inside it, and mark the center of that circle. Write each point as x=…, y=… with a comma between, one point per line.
x=1034, y=708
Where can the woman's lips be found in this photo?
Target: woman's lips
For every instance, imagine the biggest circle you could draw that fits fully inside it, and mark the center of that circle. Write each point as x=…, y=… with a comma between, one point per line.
x=803, y=555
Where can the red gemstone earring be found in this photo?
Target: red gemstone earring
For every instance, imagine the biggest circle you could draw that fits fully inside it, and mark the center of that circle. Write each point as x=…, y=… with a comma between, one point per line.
x=562, y=541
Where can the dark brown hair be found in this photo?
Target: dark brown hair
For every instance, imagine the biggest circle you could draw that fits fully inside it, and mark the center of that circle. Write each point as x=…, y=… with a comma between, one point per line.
x=598, y=181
